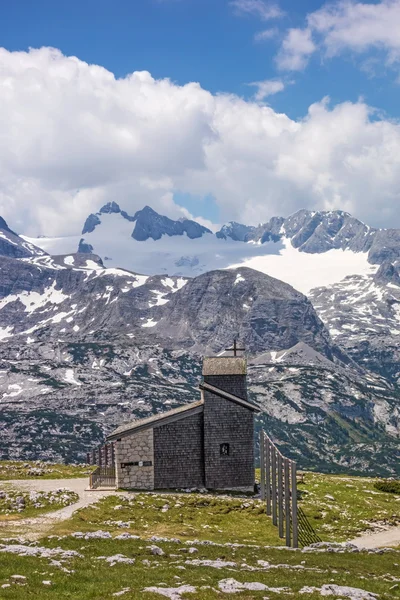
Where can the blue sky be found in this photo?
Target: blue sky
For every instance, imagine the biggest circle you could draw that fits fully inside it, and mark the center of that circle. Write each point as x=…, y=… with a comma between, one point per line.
x=193, y=40
x=347, y=51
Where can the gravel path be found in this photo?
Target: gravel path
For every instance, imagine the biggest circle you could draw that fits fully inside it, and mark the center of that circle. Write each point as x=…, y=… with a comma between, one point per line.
x=37, y=527
x=390, y=537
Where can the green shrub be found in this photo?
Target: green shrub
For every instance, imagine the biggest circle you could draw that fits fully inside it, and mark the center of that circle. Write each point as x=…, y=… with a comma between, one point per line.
x=392, y=486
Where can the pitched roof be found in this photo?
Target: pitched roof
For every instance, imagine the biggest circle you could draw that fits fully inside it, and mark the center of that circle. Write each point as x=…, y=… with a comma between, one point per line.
x=228, y=396
x=155, y=420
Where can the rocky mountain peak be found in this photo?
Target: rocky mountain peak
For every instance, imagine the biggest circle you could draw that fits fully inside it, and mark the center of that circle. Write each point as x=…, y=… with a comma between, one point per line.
x=110, y=207
x=90, y=224
x=5, y=227
x=309, y=231
x=236, y=231
x=150, y=224
x=263, y=312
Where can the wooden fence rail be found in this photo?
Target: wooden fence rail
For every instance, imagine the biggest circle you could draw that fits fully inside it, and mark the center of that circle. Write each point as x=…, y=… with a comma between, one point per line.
x=102, y=477
x=279, y=490
x=103, y=456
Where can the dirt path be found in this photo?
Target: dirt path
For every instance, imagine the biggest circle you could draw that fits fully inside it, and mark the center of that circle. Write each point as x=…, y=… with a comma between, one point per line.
x=382, y=539
x=36, y=527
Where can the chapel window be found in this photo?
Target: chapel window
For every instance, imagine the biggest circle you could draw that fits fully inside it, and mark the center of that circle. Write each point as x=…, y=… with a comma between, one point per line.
x=224, y=449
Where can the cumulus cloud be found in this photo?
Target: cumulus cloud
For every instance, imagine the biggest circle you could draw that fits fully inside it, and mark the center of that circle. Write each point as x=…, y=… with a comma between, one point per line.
x=344, y=26
x=73, y=137
x=296, y=49
x=259, y=8
x=266, y=88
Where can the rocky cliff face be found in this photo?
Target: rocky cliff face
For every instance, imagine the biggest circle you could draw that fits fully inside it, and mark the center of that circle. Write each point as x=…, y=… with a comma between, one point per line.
x=212, y=309
x=13, y=246
x=362, y=314
x=74, y=297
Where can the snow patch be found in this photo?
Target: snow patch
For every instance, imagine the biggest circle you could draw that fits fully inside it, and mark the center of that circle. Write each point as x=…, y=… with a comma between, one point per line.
x=150, y=323
x=70, y=377
x=6, y=332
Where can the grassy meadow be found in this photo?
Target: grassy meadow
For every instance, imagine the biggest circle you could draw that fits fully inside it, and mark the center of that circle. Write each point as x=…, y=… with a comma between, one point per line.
x=202, y=546
x=13, y=469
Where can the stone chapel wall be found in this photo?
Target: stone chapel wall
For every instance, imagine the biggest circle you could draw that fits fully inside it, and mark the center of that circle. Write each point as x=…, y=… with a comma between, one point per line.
x=135, y=448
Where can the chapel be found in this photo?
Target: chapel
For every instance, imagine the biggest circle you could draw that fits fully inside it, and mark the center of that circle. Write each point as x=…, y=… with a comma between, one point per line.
x=204, y=444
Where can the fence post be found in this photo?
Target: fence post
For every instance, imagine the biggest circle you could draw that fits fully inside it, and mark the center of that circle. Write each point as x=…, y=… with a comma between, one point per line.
x=280, y=496
x=112, y=454
x=273, y=486
x=262, y=463
x=106, y=455
x=295, y=526
x=268, y=473
x=287, y=500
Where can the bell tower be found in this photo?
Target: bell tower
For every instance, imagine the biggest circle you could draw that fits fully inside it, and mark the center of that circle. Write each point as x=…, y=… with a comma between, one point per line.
x=228, y=424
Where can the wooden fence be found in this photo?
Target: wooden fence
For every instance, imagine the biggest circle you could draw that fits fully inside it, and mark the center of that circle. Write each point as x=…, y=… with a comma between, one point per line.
x=103, y=477
x=103, y=456
x=104, y=459
x=279, y=490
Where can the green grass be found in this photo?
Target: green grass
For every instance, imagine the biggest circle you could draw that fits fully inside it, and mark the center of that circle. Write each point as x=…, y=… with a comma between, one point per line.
x=91, y=578
x=223, y=520
x=216, y=518
x=357, y=506
x=389, y=486
x=11, y=469
x=18, y=504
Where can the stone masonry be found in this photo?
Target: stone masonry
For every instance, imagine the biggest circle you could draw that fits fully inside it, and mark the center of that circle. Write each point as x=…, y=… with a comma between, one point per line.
x=137, y=447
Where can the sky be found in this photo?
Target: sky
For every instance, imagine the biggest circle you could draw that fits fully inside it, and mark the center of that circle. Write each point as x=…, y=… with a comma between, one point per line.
x=214, y=109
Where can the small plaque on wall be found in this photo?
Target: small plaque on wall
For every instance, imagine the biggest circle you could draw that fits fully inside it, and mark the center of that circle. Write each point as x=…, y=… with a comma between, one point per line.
x=138, y=463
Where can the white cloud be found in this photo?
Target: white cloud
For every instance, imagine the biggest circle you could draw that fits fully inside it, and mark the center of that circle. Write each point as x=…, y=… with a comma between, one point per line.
x=342, y=26
x=267, y=88
x=358, y=26
x=266, y=34
x=296, y=49
x=259, y=8
x=73, y=137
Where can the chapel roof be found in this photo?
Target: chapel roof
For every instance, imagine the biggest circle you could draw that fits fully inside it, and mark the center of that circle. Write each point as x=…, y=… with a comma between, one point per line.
x=178, y=413
x=160, y=419
x=223, y=394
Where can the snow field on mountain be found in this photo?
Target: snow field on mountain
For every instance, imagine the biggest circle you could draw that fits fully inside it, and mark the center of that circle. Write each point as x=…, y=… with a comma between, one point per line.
x=302, y=270
x=58, y=245
x=306, y=271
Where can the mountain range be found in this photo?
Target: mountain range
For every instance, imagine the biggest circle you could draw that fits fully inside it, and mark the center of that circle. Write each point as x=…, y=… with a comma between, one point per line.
x=114, y=321
x=288, y=249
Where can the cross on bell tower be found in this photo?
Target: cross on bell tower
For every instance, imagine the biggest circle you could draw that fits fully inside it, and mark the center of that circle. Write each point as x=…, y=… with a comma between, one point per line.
x=235, y=348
